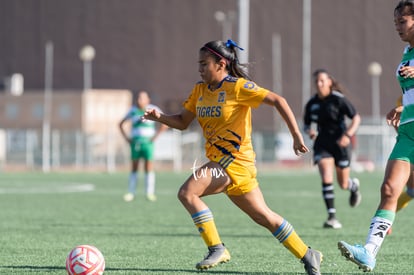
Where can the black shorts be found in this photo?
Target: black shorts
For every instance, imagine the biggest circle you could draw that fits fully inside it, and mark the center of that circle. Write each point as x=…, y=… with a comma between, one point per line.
x=329, y=148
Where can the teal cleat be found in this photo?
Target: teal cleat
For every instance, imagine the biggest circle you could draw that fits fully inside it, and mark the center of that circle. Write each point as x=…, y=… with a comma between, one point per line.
x=358, y=255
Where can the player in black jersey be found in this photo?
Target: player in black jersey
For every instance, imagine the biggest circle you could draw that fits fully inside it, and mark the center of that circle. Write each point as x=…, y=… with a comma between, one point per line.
x=328, y=109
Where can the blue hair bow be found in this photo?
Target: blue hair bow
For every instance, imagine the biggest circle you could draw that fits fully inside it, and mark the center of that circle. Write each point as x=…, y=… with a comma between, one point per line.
x=231, y=43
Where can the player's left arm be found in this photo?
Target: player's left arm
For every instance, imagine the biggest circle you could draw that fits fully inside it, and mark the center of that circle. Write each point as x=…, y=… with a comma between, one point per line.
x=351, y=130
x=286, y=112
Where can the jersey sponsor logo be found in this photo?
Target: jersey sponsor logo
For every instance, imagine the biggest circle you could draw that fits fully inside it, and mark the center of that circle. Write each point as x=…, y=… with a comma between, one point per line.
x=403, y=64
x=221, y=97
x=406, y=84
x=209, y=111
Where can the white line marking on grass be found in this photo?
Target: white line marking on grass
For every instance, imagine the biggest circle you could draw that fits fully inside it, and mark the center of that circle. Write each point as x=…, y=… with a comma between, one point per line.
x=49, y=189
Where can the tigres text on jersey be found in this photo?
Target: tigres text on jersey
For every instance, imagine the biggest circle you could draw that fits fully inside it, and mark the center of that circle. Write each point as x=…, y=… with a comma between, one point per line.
x=224, y=115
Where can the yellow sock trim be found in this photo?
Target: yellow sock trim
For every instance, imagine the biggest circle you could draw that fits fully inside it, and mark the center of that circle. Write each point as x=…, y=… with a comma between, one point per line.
x=403, y=201
x=295, y=245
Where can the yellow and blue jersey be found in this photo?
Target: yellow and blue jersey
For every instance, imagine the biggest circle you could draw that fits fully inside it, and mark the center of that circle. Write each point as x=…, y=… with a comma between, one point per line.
x=224, y=114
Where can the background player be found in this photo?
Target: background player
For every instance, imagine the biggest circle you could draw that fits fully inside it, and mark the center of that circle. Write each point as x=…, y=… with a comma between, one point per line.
x=141, y=141
x=400, y=163
x=328, y=109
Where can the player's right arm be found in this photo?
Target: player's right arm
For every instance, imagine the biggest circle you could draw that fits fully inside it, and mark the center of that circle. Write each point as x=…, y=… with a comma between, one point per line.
x=123, y=132
x=307, y=123
x=393, y=116
x=178, y=121
x=286, y=113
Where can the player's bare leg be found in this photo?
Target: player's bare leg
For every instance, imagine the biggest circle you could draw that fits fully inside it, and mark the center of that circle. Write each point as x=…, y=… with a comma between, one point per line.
x=206, y=180
x=254, y=205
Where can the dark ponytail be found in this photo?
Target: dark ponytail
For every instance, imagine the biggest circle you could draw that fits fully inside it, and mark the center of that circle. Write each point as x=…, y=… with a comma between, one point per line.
x=227, y=51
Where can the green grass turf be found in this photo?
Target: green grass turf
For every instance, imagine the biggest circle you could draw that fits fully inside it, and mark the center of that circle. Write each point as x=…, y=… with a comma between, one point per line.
x=40, y=222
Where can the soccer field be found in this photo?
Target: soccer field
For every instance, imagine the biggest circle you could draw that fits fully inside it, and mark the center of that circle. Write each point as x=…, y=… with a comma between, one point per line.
x=43, y=216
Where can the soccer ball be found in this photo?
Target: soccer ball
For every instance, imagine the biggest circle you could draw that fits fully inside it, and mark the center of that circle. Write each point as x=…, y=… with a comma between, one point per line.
x=85, y=260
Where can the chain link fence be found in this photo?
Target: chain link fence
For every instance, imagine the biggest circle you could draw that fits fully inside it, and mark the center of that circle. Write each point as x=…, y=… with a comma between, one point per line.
x=174, y=150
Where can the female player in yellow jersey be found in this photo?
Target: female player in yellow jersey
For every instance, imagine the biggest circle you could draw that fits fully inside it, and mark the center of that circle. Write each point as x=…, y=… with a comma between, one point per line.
x=222, y=104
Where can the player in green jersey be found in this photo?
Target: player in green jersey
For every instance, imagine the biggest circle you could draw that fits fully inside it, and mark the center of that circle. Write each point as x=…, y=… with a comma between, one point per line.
x=141, y=139
x=400, y=163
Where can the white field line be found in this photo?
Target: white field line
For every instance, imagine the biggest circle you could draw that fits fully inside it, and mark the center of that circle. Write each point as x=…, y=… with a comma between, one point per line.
x=49, y=189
